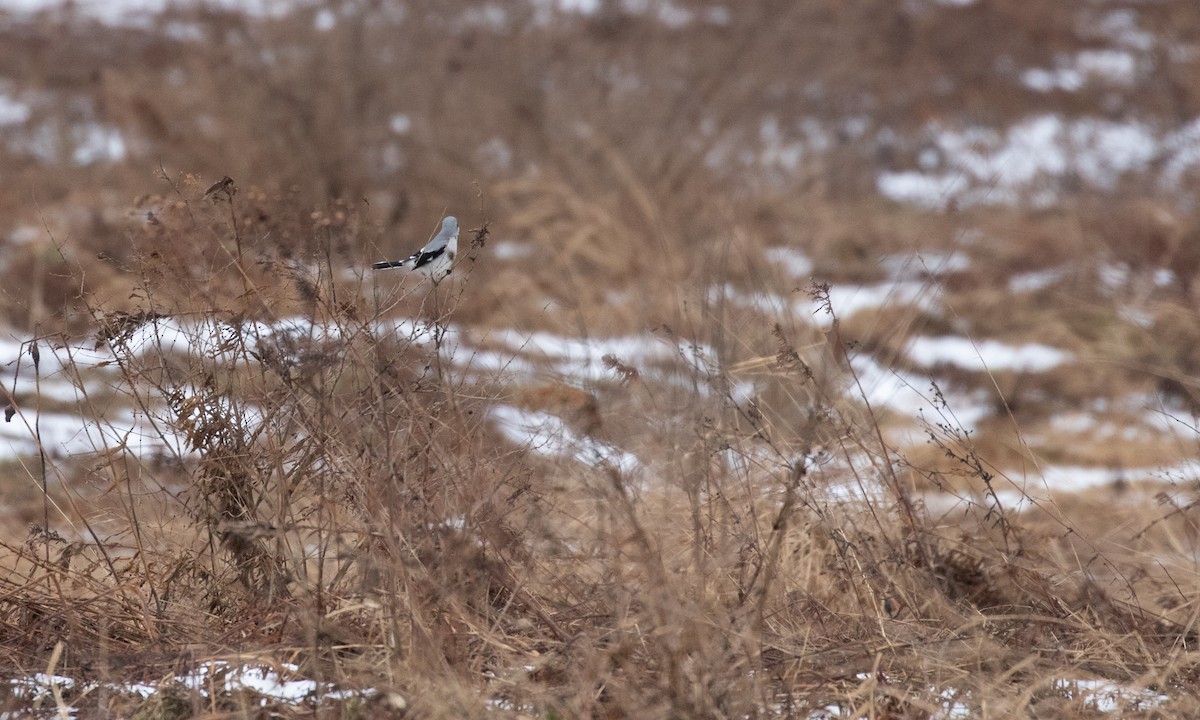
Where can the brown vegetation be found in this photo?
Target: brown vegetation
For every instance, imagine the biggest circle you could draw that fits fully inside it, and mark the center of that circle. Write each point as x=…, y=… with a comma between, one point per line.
x=725, y=525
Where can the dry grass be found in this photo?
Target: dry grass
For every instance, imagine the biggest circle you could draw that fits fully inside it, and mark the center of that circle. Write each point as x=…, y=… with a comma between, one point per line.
x=337, y=499
x=723, y=527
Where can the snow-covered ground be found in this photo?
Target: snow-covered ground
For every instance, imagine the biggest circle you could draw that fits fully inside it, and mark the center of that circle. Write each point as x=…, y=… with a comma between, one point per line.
x=73, y=374
x=984, y=355
x=282, y=683
x=548, y=435
x=1026, y=163
x=135, y=12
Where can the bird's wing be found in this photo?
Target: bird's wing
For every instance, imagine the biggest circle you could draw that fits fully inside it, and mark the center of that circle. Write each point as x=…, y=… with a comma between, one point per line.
x=434, y=249
x=427, y=256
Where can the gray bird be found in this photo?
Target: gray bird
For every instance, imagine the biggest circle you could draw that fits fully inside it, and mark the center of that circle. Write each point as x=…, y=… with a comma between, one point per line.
x=436, y=258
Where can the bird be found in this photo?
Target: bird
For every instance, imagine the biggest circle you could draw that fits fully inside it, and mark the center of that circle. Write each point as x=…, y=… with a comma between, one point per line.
x=436, y=258
x=225, y=185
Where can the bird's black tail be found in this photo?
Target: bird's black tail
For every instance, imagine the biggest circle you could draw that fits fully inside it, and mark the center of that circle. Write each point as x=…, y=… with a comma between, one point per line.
x=388, y=264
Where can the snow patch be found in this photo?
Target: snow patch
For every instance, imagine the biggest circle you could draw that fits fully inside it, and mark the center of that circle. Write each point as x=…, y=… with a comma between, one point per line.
x=985, y=355
x=794, y=262
x=548, y=435
x=981, y=165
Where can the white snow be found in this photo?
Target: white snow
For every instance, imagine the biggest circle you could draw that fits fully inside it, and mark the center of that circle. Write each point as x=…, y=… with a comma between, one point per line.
x=1036, y=280
x=400, y=123
x=12, y=112
x=1068, y=79
x=1022, y=488
x=1121, y=28
x=794, y=262
x=1116, y=67
x=849, y=299
x=265, y=681
x=78, y=141
x=136, y=12
x=548, y=435
x=1106, y=696
x=1181, y=149
x=999, y=166
x=912, y=396
x=512, y=250
x=325, y=20
x=280, y=682
x=928, y=190
x=582, y=359
x=985, y=354
x=77, y=374
x=67, y=373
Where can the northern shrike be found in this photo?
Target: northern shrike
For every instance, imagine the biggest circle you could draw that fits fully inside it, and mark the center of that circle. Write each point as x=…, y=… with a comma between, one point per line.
x=436, y=258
